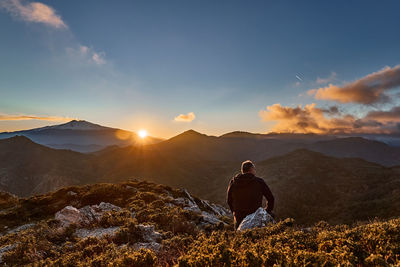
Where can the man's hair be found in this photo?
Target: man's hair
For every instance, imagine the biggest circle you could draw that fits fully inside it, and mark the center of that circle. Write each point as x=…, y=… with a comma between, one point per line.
x=246, y=166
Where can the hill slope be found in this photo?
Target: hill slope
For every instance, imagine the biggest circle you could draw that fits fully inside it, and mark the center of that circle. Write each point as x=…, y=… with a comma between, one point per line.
x=28, y=168
x=144, y=224
x=308, y=186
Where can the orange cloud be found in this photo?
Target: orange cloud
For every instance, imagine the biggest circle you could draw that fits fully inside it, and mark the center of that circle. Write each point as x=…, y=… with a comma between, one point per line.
x=370, y=89
x=312, y=119
x=185, y=117
x=5, y=117
x=392, y=115
x=33, y=12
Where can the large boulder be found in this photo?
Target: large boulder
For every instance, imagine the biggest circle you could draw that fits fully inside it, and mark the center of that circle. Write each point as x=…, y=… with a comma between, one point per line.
x=259, y=218
x=85, y=215
x=68, y=215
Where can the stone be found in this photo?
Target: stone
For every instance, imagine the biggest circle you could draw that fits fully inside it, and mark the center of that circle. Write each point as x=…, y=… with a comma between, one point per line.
x=85, y=215
x=217, y=209
x=5, y=249
x=149, y=245
x=20, y=228
x=68, y=215
x=259, y=218
x=150, y=237
x=131, y=188
x=149, y=234
x=187, y=204
x=210, y=218
x=71, y=193
x=96, y=232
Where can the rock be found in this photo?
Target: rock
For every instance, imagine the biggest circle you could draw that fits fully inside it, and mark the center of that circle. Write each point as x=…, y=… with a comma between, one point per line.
x=150, y=245
x=71, y=193
x=187, y=204
x=149, y=234
x=217, y=209
x=131, y=188
x=68, y=215
x=210, y=218
x=150, y=237
x=20, y=228
x=259, y=218
x=5, y=249
x=85, y=215
x=96, y=232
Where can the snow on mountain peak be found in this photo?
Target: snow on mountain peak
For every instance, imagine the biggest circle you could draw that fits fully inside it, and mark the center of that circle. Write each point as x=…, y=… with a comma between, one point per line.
x=78, y=125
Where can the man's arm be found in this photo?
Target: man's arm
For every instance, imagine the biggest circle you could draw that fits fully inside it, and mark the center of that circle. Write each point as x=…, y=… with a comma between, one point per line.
x=268, y=195
x=229, y=196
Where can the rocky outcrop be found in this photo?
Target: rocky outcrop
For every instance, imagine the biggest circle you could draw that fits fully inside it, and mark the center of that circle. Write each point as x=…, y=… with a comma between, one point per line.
x=85, y=215
x=88, y=215
x=259, y=218
x=209, y=213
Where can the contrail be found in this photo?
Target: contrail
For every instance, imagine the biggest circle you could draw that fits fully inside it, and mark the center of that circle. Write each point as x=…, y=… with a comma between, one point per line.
x=299, y=78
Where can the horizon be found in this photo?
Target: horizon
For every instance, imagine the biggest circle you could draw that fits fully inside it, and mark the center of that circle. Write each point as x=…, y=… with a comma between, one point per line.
x=214, y=67
x=146, y=135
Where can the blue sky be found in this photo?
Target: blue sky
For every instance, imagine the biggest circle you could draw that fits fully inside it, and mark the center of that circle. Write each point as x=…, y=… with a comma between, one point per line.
x=224, y=61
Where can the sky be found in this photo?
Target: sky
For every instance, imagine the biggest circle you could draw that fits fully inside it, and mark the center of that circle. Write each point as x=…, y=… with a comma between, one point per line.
x=212, y=66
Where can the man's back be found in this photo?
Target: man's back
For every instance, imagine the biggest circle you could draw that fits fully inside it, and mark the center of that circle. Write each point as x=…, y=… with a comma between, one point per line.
x=244, y=196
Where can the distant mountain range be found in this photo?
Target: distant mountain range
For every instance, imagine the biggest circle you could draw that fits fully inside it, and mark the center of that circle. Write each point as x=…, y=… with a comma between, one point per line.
x=81, y=136
x=308, y=185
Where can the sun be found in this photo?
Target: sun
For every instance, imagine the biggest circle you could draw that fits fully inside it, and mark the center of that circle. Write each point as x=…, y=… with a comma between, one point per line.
x=142, y=134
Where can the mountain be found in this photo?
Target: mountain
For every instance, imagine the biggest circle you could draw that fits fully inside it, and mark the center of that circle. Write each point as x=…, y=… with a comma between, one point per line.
x=239, y=146
x=136, y=223
x=81, y=136
x=359, y=147
x=309, y=186
x=27, y=168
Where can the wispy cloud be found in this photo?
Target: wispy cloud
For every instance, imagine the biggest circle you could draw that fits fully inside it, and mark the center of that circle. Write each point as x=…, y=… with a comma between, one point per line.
x=326, y=80
x=311, y=119
x=185, y=117
x=33, y=12
x=368, y=90
x=41, y=13
x=6, y=117
x=88, y=54
x=98, y=58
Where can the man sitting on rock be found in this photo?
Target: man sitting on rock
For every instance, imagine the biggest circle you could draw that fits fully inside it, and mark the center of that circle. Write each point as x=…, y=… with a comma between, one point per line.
x=245, y=193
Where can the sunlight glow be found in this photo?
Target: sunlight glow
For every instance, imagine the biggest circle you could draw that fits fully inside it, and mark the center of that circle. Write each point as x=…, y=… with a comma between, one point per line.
x=142, y=133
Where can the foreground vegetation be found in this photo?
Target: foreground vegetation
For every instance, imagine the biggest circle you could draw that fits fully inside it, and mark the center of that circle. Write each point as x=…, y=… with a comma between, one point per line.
x=184, y=242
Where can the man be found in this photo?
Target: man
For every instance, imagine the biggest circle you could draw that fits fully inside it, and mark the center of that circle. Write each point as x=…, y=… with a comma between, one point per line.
x=245, y=193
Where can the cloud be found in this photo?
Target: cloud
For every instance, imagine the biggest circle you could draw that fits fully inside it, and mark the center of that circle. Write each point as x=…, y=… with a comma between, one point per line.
x=33, y=12
x=312, y=119
x=5, y=117
x=368, y=90
x=98, y=58
x=185, y=117
x=331, y=78
x=41, y=13
x=88, y=54
x=385, y=116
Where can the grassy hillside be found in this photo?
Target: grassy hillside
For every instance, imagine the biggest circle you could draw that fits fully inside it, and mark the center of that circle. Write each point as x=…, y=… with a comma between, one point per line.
x=30, y=234
x=28, y=168
x=308, y=186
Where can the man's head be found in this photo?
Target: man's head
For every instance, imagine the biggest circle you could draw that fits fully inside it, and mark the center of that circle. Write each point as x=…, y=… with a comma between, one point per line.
x=248, y=167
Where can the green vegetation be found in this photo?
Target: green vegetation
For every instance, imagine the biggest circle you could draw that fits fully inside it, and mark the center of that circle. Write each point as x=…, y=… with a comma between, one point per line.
x=183, y=241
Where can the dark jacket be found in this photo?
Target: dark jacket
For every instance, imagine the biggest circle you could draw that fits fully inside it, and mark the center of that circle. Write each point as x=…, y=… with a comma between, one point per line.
x=245, y=194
